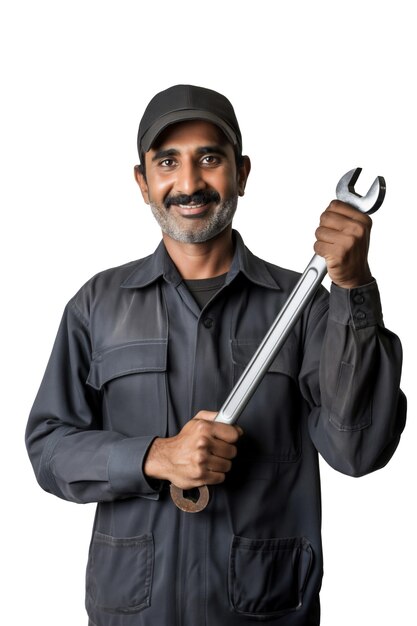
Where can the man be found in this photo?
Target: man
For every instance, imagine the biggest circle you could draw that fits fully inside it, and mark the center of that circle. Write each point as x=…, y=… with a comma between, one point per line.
x=145, y=347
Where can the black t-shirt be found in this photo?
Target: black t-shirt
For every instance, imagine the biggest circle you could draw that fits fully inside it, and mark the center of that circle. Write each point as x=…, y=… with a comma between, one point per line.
x=203, y=289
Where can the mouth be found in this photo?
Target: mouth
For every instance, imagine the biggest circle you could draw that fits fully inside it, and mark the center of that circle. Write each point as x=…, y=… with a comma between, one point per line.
x=192, y=210
x=193, y=205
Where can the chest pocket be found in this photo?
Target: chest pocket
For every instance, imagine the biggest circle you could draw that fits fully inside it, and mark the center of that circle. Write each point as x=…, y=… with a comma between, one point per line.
x=271, y=420
x=132, y=380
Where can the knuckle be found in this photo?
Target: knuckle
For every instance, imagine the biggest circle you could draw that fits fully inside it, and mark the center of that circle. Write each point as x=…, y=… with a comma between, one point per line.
x=202, y=426
x=199, y=476
x=365, y=219
x=197, y=473
x=351, y=240
x=357, y=229
x=199, y=457
x=202, y=442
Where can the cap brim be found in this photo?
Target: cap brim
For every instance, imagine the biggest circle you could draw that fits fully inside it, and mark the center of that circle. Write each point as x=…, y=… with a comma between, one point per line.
x=173, y=117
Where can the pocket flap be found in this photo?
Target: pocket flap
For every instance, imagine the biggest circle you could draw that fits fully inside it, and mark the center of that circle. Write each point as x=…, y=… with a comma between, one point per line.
x=285, y=362
x=131, y=358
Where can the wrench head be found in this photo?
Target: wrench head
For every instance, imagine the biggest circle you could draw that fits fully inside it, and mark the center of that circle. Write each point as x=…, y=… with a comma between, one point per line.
x=189, y=504
x=369, y=203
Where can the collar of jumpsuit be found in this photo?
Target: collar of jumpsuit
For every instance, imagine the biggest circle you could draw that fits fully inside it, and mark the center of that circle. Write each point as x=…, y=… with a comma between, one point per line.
x=149, y=269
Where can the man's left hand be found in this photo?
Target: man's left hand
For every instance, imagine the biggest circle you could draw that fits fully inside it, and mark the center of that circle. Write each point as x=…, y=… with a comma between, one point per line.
x=343, y=240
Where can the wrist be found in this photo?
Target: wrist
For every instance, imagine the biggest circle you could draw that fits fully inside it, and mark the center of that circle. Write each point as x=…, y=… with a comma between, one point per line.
x=354, y=284
x=154, y=464
x=358, y=280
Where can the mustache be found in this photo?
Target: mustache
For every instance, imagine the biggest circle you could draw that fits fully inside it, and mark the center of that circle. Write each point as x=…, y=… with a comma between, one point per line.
x=199, y=197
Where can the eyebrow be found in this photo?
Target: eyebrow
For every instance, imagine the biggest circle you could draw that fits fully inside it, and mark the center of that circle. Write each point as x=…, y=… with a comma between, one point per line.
x=212, y=149
x=163, y=154
x=169, y=152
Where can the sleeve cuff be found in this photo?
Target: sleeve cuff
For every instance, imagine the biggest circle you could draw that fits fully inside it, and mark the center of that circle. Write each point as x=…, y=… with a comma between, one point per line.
x=125, y=468
x=359, y=307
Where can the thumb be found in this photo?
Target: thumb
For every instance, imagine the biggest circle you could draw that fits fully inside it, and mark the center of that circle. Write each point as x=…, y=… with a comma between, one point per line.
x=210, y=417
x=206, y=415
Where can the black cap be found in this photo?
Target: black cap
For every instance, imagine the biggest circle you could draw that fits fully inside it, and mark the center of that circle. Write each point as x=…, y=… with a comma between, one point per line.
x=187, y=102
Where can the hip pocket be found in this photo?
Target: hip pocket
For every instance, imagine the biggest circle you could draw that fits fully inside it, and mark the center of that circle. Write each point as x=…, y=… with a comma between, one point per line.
x=267, y=577
x=119, y=573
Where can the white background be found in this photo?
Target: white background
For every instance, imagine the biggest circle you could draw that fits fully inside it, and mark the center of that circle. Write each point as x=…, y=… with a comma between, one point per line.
x=319, y=87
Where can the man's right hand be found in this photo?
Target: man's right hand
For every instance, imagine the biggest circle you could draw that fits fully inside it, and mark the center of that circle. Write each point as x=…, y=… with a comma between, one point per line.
x=201, y=453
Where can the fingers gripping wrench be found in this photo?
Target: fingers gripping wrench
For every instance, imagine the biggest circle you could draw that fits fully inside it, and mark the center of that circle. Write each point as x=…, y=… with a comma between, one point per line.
x=196, y=500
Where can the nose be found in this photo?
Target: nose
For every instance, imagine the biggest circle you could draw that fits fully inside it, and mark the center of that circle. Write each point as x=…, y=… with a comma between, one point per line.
x=189, y=178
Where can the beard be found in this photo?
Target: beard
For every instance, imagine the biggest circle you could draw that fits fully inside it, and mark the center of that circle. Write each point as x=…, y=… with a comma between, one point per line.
x=195, y=229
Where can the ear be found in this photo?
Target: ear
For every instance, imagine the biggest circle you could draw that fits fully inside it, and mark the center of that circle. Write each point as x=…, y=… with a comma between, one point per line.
x=141, y=181
x=242, y=175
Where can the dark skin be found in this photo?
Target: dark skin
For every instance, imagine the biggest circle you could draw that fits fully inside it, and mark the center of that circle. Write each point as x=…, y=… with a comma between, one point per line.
x=202, y=452
x=342, y=238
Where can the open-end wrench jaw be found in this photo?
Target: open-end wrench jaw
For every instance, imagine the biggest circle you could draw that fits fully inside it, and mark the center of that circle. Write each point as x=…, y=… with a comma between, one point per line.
x=345, y=191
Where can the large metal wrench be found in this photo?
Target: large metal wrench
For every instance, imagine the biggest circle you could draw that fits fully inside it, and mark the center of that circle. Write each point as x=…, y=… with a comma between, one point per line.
x=196, y=500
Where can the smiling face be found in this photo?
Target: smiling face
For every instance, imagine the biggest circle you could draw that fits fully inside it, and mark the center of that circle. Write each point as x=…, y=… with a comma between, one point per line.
x=192, y=181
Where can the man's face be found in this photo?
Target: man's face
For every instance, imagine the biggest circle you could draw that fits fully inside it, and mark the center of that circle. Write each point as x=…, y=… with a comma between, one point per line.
x=192, y=181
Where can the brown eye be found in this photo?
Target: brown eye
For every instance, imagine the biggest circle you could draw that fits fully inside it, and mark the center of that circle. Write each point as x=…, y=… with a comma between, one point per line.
x=167, y=163
x=210, y=159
